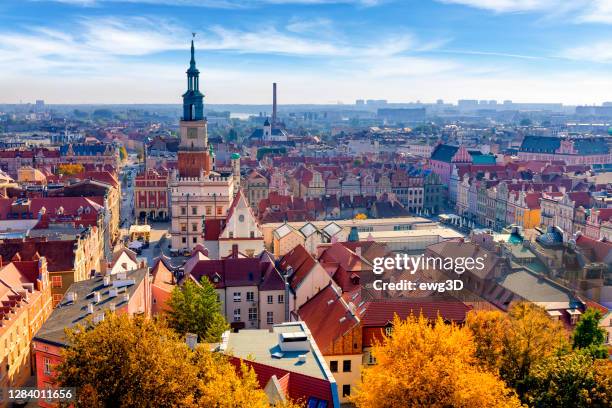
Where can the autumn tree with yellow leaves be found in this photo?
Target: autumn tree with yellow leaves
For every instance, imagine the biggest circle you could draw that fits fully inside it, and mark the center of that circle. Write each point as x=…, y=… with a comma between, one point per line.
x=512, y=344
x=137, y=362
x=70, y=169
x=430, y=365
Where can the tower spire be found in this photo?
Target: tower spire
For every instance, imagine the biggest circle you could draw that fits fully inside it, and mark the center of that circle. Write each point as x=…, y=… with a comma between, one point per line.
x=192, y=63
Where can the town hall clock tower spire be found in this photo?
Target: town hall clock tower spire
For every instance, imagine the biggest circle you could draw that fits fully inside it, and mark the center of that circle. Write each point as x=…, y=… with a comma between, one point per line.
x=193, y=155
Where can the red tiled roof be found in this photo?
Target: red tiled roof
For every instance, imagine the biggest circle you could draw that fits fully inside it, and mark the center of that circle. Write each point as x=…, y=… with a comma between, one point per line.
x=532, y=200
x=328, y=317
x=580, y=198
x=232, y=271
x=59, y=254
x=212, y=229
x=302, y=263
x=379, y=313
x=298, y=386
x=601, y=250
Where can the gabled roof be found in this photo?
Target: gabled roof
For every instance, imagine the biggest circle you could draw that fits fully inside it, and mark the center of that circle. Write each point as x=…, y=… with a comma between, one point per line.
x=328, y=316
x=300, y=261
x=380, y=313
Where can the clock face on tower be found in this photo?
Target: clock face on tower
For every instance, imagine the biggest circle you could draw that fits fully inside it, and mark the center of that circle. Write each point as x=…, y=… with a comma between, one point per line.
x=192, y=133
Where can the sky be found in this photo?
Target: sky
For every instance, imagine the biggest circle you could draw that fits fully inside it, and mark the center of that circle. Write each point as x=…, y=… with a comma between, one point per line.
x=318, y=51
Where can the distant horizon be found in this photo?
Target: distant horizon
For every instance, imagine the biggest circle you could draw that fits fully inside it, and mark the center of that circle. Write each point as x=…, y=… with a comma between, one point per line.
x=319, y=51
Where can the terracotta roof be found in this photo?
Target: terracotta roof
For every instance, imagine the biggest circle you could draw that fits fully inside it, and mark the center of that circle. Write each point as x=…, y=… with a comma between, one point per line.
x=59, y=254
x=380, y=313
x=328, y=316
x=601, y=251
x=302, y=263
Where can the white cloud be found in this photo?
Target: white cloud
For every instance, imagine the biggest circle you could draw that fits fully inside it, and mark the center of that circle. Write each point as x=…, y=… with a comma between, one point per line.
x=599, y=52
x=599, y=11
x=504, y=6
x=222, y=3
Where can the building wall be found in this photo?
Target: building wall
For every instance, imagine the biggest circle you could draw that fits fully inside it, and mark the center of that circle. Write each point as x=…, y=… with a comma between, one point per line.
x=314, y=281
x=230, y=305
x=343, y=378
x=277, y=309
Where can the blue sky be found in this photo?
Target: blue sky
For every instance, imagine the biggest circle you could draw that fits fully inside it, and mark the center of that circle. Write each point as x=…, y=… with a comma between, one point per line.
x=319, y=51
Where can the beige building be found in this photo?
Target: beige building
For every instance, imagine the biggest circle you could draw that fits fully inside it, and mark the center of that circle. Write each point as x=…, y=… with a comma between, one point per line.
x=280, y=238
x=256, y=188
x=241, y=230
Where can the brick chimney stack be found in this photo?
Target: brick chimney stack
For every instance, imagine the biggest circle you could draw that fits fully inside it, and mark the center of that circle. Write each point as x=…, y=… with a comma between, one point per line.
x=274, y=104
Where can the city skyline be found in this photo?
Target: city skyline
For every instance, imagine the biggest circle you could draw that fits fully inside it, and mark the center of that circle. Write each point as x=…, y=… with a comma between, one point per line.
x=319, y=51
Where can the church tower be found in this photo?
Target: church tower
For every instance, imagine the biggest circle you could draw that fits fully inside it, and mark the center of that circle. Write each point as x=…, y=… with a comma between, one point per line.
x=193, y=155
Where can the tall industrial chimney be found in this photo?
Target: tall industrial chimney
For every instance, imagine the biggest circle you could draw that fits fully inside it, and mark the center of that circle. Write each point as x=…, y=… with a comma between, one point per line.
x=274, y=103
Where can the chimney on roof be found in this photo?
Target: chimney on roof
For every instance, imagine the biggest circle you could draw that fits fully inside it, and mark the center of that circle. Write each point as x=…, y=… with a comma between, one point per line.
x=274, y=104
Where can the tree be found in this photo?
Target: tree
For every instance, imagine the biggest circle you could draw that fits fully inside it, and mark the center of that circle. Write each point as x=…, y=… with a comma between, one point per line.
x=125, y=362
x=123, y=155
x=488, y=329
x=572, y=380
x=514, y=343
x=361, y=216
x=588, y=336
x=429, y=365
x=70, y=169
x=196, y=309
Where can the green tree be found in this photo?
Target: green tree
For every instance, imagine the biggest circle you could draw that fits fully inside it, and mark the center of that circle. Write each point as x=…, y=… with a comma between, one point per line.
x=588, y=336
x=196, y=309
x=572, y=380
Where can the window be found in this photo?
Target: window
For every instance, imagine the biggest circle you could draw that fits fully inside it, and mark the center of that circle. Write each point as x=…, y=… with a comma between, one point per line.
x=194, y=227
x=194, y=210
x=56, y=281
x=236, y=315
x=184, y=240
x=241, y=218
x=183, y=210
x=231, y=234
x=183, y=227
x=237, y=297
x=346, y=366
x=270, y=317
x=252, y=234
x=333, y=366
x=250, y=296
x=195, y=240
x=219, y=210
x=208, y=210
x=371, y=358
x=281, y=298
x=346, y=390
x=388, y=331
x=270, y=299
x=47, y=366
x=252, y=313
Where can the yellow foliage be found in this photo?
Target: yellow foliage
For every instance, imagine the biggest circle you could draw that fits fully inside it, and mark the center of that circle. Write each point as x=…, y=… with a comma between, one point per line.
x=430, y=365
x=69, y=169
x=124, y=362
x=361, y=216
x=512, y=344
